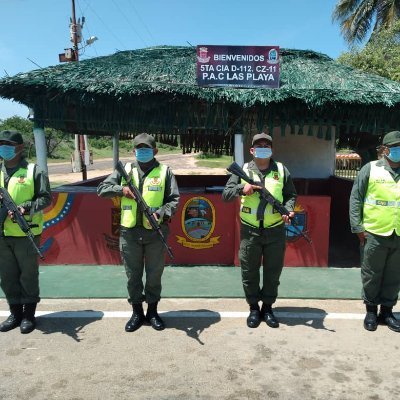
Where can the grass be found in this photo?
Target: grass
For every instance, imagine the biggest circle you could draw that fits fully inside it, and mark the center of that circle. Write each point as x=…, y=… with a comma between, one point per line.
x=212, y=161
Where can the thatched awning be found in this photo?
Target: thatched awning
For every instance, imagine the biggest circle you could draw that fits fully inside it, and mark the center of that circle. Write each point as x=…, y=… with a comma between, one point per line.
x=155, y=90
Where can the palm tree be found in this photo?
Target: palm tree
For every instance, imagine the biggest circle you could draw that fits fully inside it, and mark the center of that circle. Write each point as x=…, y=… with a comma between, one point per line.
x=357, y=17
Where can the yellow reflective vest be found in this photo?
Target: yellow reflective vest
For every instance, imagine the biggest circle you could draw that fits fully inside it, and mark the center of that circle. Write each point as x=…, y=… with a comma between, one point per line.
x=21, y=187
x=153, y=194
x=249, y=204
x=381, y=212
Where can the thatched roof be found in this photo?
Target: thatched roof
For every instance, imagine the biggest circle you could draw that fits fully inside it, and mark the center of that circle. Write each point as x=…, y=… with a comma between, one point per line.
x=155, y=90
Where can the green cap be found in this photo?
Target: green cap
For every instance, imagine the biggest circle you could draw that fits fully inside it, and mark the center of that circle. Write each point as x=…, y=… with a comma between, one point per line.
x=391, y=138
x=144, y=138
x=11, y=136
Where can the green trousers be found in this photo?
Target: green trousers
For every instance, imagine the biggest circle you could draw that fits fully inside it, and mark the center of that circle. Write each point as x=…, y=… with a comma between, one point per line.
x=143, y=251
x=266, y=246
x=19, y=270
x=380, y=270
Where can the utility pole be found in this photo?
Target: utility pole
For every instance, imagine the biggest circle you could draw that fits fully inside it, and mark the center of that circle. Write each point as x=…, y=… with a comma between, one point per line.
x=79, y=139
x=81, y=154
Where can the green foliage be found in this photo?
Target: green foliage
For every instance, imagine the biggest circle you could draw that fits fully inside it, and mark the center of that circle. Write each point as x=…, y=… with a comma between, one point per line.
x=165, y=148
x=100, y=142
x=206, y=156
x=58, y=143
x=208, y=160
x=380, y=56
x=358, y=18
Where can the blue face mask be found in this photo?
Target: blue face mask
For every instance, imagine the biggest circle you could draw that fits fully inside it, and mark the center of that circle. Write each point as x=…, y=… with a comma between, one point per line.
x=7, y=152
x=144, y=154
x=262, y=152
x=394, y=154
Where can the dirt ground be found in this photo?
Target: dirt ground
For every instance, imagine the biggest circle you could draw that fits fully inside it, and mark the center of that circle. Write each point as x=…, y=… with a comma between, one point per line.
x=181, y=164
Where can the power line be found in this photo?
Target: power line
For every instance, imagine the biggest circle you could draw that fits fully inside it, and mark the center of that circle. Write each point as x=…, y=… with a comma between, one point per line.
x=105, y=25
x=129, y=23
x=142, y=22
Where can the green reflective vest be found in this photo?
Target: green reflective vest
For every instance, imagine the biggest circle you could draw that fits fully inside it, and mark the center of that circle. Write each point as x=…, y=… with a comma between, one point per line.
x=21, y=187
x=381, y=213
x=153, y=194
x=249, y=204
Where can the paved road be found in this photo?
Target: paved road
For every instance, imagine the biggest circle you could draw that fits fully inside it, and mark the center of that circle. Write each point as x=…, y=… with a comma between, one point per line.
x=175, y=161
x=320, y=352
x=181, y=164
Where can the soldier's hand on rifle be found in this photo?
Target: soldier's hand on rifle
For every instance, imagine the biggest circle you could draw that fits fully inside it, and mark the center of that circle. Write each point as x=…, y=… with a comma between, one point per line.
x=249, y=189
x=156, y=216
x=21, y=210
x=287, y=218
x=127, y=192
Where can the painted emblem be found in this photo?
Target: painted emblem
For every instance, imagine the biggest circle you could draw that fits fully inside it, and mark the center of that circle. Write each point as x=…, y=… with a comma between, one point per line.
x=300, y=219
x=198, y=223
x=155, y=181
x=202, y=57
x=273, y=56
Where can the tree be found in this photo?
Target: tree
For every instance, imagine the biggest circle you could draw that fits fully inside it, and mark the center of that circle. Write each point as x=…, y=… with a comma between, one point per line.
x=358, y=18
x=381, y=55
x=54, y=138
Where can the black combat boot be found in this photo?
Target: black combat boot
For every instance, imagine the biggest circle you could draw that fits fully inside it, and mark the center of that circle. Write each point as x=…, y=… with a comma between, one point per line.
x=14, y=319
x=28, y=322
x=371, y=318
x=386, y=317
x=268, y=315
x=152, y=316
x=137, y=319
x=254, y=319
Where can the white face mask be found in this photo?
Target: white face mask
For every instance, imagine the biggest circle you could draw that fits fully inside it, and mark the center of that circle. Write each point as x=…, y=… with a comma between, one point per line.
x=262, y=152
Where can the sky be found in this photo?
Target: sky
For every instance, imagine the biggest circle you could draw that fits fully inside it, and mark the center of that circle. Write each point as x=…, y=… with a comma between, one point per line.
x=34, y=32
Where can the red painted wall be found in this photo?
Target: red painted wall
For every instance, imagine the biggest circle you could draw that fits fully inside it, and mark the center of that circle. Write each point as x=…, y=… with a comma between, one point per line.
x=81, y=228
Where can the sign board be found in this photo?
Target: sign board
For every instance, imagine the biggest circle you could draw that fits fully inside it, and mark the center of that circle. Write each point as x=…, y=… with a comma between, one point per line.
x=238, y=66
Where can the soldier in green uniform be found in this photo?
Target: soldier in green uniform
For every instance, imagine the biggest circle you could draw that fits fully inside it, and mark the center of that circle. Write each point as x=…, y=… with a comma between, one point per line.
x=141, y=247
x=29, y=187
x=374, y=217
x=262, y=241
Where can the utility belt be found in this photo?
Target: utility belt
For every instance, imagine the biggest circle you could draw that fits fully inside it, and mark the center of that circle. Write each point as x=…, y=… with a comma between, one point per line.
x=245, y=225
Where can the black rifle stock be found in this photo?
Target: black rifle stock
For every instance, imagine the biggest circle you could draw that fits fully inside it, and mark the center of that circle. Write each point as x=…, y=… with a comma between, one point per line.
x=10, y=205
x=266, y=197
x=143, y=206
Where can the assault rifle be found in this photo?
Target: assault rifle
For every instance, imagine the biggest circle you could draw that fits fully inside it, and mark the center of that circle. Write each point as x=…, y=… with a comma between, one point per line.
x=266, y=198
x=9, y=205
x=143, y=206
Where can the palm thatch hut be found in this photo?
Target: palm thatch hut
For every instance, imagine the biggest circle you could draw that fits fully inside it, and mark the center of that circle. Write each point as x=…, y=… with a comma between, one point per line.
x=154, y=90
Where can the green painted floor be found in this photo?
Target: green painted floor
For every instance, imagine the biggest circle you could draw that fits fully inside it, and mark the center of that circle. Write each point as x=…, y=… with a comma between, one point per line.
x=108, y=281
